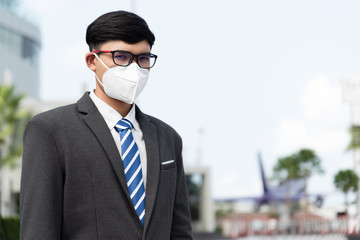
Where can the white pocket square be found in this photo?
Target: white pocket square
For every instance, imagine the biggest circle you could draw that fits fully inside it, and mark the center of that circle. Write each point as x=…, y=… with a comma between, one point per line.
x=167, y=162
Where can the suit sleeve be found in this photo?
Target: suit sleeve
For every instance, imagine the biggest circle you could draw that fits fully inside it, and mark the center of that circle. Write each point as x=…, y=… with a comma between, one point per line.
x=41, y=191
x=181, y=225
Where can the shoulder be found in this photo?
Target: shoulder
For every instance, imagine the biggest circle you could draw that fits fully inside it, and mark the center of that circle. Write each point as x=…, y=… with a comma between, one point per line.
x=68, y=112
x=163, y=126
x=55, y=116
x=164, y=131
x=159, y=123
x=166, y=134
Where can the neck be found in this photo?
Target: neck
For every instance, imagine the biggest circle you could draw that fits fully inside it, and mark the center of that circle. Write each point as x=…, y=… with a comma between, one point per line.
x=121, y=107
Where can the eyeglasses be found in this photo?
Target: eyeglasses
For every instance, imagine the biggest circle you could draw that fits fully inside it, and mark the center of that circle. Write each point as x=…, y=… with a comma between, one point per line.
x=124, y=58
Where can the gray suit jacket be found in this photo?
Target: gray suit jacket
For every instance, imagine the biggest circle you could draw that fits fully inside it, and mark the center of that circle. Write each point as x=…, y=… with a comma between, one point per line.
x=73, y=186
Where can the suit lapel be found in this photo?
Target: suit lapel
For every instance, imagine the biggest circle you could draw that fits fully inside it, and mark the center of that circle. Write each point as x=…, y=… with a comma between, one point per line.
x=97, y=124
x=153, y=162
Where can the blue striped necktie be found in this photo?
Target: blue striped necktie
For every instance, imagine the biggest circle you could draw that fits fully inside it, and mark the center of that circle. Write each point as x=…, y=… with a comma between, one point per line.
x=132, y=167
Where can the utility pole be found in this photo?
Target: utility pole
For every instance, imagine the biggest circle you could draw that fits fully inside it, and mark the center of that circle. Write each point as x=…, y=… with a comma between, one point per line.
x=351, y=95
x=200, y=147
x=133, y=6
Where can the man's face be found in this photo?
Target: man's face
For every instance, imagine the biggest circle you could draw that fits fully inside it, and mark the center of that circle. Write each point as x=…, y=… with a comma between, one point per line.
x=95, y=65
x=137, y=48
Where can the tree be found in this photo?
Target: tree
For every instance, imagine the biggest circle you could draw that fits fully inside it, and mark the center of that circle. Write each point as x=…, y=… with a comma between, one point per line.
x=12, y=125
x=346, y=181
x=355, y=138
x=302, y=164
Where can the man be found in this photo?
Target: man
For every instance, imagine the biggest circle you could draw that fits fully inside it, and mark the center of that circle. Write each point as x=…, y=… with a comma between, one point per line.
x=100, y=168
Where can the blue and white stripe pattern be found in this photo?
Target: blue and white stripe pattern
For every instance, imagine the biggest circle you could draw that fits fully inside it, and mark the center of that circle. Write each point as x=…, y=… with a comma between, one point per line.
x=132, y=167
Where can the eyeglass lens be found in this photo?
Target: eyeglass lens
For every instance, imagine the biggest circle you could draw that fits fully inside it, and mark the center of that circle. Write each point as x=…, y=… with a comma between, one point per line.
x=124, y=59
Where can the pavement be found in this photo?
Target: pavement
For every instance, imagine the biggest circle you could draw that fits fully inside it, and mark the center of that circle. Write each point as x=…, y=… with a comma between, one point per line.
x=209, y=236
x=212, y=236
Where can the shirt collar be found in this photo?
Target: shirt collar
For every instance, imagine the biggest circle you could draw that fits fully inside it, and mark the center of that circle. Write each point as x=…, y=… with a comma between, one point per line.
x=110, y=115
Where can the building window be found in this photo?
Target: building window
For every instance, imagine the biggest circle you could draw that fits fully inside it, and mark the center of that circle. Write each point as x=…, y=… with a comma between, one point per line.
x=21, y=46
x=195, y=183
x=30, y=51
x=11, y=40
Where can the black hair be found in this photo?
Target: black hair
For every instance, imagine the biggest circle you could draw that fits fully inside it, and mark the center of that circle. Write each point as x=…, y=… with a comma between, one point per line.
x=118, y=25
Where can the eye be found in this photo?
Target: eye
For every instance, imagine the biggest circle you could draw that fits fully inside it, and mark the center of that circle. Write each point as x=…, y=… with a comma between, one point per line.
x=121, y=58
x=144, y=58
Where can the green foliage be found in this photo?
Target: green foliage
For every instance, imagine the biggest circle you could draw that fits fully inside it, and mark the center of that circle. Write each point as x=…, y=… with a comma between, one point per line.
x=12, y=227
x=221, y=213
x=218, y=229
x=12, y=125
x=302, y=164
x=286, y=168
x=355, y=138
x=346, y=181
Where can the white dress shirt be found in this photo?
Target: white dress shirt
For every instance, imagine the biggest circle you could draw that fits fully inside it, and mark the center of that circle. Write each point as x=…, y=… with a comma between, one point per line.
x=111, y=117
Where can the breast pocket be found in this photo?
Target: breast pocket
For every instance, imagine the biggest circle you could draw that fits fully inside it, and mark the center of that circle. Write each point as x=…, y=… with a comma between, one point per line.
x=166, y=190
x=168, y=164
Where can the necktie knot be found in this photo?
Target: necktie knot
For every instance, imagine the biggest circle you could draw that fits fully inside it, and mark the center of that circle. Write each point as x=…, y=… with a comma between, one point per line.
x=123, y=124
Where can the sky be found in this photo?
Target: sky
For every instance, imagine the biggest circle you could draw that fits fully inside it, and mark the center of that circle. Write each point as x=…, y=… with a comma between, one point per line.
x=233, y=77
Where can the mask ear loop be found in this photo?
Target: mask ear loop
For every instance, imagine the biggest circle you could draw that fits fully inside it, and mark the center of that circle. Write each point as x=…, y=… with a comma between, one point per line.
x=97, y=78
x=109, y=69
x=101, y=61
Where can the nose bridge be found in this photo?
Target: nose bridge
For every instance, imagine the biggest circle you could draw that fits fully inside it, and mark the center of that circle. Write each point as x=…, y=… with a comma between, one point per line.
x=134, y=59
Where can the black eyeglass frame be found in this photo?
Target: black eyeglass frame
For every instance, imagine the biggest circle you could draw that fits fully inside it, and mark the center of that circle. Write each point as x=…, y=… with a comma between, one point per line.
x=131, y=59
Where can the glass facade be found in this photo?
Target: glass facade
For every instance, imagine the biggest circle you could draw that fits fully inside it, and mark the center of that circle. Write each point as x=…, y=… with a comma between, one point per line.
x=30, y=51
x=195, y=183
x=21, y=46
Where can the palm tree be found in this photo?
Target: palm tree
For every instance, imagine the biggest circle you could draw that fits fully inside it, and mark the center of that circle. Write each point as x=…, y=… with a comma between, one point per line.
x=346, y=181
x=12, y=125
x=354, y=145
x=302, y=164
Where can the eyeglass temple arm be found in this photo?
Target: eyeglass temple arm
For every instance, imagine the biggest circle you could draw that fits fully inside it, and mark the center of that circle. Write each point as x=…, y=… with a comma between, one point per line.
x=101, y=51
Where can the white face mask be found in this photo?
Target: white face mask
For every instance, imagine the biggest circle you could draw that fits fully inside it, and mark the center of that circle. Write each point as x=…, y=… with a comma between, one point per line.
x=123, y=83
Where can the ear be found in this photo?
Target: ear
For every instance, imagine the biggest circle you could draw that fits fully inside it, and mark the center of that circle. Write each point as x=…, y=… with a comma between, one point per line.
x=90, y=61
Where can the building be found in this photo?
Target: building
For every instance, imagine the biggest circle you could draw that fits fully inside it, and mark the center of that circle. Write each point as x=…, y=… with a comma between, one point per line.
x=20, y=46
x=201, y=203
x=19, y=65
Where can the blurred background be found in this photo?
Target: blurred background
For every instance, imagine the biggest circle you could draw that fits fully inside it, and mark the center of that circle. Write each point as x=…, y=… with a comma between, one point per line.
x=245, y=83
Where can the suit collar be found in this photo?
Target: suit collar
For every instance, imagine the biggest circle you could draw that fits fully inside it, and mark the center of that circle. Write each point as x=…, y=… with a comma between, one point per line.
x=85, y=105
